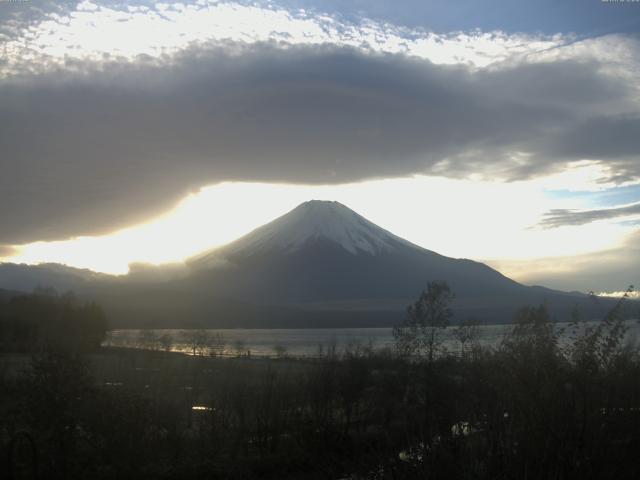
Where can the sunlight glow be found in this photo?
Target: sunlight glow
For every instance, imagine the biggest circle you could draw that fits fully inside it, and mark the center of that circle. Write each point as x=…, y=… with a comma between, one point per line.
x=458, y=218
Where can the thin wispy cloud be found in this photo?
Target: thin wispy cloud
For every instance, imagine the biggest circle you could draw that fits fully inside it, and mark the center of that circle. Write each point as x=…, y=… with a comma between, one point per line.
x=563, y=217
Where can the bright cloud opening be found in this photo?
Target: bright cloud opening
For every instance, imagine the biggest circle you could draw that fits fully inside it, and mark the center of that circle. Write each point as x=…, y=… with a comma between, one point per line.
x=458, y=218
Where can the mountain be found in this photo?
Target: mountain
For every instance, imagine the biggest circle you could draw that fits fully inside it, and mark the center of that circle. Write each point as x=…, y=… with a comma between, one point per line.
x=321, y=264
x=323, y=251
x=324, y=256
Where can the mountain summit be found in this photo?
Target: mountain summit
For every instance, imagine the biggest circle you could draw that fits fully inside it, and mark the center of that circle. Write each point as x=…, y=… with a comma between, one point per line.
x=309, y=223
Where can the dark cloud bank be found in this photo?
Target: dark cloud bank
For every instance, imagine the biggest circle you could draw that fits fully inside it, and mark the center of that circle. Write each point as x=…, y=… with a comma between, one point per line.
x=85, y=153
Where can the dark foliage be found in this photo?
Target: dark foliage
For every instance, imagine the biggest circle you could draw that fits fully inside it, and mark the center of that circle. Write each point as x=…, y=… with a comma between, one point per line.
x=44, y=319
x=532, y=407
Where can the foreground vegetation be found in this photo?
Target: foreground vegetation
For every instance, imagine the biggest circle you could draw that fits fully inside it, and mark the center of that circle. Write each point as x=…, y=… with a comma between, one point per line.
x=529, y=408
x=46, y=320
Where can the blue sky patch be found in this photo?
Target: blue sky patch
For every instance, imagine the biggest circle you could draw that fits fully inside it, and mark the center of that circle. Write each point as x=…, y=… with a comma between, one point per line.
x=604, y=198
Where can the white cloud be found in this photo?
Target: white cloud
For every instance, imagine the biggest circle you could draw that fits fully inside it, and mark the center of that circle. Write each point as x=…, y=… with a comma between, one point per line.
x=619, y=294
x=94, y=32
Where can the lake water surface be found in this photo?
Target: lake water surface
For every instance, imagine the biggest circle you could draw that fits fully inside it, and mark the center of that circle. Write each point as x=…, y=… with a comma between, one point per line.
x=307, y=341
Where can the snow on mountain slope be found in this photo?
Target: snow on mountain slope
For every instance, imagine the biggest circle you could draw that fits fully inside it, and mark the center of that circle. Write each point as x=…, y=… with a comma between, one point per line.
x=307, y=222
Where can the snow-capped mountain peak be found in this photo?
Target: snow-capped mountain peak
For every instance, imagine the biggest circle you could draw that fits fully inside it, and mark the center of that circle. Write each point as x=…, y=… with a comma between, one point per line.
x=311, y=221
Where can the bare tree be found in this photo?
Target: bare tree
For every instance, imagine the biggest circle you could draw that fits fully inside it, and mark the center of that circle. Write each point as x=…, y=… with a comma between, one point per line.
x=218, y=344
x=198, y=340
x=239, y=346
x=426, y=320
x=467, y=334
x=280, y=351
x=147, y=339
x=166, y=341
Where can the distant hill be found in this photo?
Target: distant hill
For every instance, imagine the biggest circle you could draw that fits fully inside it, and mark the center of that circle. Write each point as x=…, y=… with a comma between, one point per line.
x=321, y=264
x=25, y=277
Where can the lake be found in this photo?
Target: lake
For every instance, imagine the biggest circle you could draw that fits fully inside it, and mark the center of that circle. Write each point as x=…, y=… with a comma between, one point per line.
x=306, y=341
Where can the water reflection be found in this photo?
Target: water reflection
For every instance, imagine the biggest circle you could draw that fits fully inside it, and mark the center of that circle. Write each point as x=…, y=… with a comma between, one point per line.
x=201, y=408
x=304, y=342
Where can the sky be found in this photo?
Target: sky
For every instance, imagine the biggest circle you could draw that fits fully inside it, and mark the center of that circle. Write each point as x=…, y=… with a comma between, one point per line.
x=144, y=132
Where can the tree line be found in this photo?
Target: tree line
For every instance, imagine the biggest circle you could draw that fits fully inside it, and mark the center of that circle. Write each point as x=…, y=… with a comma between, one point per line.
x=46, y=319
